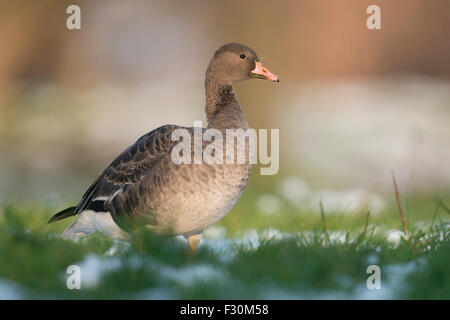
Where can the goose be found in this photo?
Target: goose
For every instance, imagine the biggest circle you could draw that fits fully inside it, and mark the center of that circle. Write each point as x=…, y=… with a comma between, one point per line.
x=144, y=187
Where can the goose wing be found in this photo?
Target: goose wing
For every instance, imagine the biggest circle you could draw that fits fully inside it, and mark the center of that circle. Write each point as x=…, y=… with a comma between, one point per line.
x=128, y=168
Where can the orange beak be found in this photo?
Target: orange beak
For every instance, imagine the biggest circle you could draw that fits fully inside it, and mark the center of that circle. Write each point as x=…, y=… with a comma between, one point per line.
x=262, y=72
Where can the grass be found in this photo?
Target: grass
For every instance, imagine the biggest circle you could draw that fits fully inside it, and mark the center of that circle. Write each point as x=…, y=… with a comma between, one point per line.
x=315, y=256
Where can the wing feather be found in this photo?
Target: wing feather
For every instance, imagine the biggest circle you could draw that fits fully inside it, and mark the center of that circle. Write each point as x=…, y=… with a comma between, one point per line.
x=128, y=168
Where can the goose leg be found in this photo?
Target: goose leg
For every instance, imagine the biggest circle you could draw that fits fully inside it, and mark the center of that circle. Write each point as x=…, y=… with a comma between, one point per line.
x=193, y=242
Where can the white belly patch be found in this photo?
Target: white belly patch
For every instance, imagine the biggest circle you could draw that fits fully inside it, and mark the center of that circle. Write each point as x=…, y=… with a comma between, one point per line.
x=90, y=221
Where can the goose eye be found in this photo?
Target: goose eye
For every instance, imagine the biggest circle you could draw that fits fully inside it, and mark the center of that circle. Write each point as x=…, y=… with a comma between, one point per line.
x=242, y=56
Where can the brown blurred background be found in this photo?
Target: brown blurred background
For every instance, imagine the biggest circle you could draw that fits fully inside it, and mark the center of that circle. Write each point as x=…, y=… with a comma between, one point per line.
x=352, y=103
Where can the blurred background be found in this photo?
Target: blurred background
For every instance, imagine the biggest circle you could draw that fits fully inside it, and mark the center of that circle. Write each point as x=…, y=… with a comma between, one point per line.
x=352, y=105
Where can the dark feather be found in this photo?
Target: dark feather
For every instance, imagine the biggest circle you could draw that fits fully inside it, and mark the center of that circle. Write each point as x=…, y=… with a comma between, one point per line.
x=63, y=214
x=96, y=205
x=127, y=169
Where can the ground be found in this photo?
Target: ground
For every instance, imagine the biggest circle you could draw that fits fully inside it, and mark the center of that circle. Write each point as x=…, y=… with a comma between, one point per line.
x=288, y=254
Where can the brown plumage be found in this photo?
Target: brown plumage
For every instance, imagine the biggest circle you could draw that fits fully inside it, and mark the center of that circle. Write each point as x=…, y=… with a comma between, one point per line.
x=144, y=187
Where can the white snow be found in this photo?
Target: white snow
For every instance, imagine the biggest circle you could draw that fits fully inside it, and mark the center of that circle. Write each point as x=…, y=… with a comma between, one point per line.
x=9, y=290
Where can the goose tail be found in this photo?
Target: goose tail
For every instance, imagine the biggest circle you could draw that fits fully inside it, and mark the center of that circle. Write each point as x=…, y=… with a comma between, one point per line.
x=63, y=214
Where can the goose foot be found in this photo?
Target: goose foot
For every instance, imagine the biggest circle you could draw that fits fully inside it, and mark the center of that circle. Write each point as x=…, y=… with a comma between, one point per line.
x=193, y=242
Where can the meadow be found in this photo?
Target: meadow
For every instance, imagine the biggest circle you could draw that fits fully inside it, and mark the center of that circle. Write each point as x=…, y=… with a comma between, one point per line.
x=289, y=254
x=353, y=104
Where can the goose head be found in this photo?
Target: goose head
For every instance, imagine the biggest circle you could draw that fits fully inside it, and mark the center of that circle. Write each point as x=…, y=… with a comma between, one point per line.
x=234, y=62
